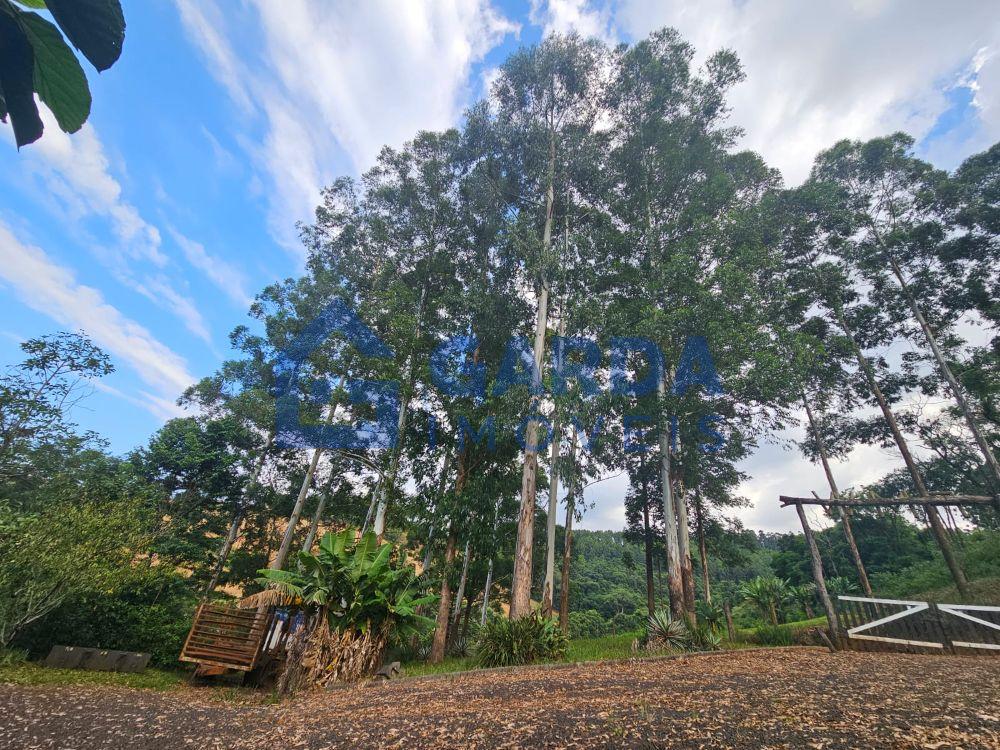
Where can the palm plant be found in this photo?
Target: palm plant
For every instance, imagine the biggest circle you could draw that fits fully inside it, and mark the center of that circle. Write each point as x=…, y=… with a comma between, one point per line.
x=712, y=615
x=840, y=585
x=805, y=596
x=766, y=593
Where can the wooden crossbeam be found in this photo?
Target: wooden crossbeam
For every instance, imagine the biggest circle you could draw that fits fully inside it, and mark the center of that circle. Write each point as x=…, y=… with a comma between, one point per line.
x=853, y=502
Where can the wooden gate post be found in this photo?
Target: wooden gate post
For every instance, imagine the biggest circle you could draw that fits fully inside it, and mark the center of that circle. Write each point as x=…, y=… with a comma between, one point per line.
x=817, y=567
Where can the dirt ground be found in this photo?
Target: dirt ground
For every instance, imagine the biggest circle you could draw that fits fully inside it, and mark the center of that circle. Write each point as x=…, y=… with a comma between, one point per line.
x=802, y=698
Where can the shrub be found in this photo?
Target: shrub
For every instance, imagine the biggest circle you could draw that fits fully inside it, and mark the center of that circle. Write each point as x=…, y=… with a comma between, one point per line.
x=704, y=638
x=711, y=614
x=587, y=624
x=149, y=611
x=502, y=642
x=12, y=657
x=663, y=632
x=626, y=623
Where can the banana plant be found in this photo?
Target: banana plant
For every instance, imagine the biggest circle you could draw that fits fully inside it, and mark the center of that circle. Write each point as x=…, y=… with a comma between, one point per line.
x=358, y=584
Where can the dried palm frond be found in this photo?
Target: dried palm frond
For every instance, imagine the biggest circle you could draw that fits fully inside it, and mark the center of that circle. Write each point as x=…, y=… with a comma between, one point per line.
x=270, y=598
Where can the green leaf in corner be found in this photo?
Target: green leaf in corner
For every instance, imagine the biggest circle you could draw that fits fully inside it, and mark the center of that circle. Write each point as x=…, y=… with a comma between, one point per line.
x=59, y=79
x=17, y=66
x=34, y=4
x=95, y=27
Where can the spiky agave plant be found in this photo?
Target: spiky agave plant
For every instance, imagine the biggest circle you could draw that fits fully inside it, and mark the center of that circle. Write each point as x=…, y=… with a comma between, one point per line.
x=664, y=632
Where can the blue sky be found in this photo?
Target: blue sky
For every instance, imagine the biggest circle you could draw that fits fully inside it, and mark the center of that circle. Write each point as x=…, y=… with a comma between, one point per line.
x=153, y=227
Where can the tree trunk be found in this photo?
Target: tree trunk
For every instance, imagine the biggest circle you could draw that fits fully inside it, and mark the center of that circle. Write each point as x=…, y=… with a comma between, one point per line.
x=293, y=520
x=728, y=612
x=238, y=517
x=320, y=507
x=389, y=484
x=684, y=538
x=571, y=487
x=675, y=582
x=465, y=619
x=520, y=590
x=937, y=527
x=486, y=593
x=550, y=531
x=817, y=567
x=442, y=488
x=444, y=603
x=957, y=391
x=648, y=544
x=702, y=547
x=845, y=515
x=564, y=578
x=460, y=594
x=227, y=546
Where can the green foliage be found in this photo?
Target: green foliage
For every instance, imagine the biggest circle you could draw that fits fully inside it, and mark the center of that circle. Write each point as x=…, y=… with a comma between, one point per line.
x=61, y=552
x=710, y=614
x=704, y=638
x=502, y=642
x=767, y=594
x=12, y=657
x=149, y=609
x=838, y=585
x=34, y=57
x=360, y=585
x=773, y=635
x=663, y=632
x=587, y=624
x=34, y=397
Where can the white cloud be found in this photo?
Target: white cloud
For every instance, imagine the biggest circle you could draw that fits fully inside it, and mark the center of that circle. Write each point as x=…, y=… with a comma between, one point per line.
x=158, y=290
x=227, y=277
x=333, y=82
x=818, y=72
x=52, y=289
x=76, y=169
x=563, y=16
x=162, y=408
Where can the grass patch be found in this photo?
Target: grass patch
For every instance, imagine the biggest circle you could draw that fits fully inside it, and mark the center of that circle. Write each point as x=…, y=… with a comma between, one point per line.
x=450, y=664
x=603, y=647
x=580, y=649
x=35, y=674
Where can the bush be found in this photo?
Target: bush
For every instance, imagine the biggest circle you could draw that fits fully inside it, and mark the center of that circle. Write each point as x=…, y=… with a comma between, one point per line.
x=502, y=642
x=587, y=624
x=704, y=638
x=150, y=611
x=12, y=657
x=626, y=623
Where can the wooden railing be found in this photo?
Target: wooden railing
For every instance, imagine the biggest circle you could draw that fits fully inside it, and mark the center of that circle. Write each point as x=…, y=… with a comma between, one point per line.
x=868, y=624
